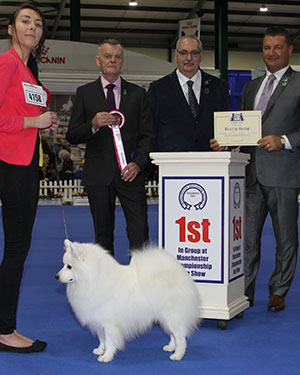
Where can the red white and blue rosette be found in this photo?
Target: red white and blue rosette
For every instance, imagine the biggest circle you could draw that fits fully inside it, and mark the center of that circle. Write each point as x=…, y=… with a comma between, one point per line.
x=119, y=121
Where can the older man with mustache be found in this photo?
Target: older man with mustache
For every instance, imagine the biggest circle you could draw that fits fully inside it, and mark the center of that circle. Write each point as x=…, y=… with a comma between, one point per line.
x=183, y=102
x=114, y=158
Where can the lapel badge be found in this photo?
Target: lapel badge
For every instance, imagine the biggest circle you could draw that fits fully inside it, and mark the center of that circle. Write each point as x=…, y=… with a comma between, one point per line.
x=284, y=81
x=206, y=89
x=125, y=92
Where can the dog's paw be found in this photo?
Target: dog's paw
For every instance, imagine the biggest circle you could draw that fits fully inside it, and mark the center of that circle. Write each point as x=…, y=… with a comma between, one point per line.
x=168, y=348
x=99, y=351
x=175, y=357
x=105, y=358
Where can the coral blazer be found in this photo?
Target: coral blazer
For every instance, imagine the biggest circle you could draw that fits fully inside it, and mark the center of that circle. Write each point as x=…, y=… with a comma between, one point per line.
x=16, y=143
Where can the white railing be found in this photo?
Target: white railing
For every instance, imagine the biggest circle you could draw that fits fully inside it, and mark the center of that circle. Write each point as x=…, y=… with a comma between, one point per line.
x=67, y=189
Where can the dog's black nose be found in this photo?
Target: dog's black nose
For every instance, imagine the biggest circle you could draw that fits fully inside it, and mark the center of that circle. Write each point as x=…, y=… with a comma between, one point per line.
x=57, y=277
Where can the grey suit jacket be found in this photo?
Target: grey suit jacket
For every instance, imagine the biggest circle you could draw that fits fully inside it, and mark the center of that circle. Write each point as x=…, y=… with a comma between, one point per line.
x=282, y=117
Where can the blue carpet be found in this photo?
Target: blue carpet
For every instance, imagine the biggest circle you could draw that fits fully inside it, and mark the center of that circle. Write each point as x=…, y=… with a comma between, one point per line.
x=260, y=343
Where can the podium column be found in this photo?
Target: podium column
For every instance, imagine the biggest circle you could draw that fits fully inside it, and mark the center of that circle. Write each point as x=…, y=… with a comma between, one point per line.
x=202, y=223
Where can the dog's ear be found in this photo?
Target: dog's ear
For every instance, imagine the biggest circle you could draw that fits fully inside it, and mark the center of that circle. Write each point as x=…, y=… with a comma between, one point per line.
x=67, y=244
x=71, y=246
x=75, y=251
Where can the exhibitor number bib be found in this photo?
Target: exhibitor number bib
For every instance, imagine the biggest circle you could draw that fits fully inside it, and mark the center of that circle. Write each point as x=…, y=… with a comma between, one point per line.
x=34, y=94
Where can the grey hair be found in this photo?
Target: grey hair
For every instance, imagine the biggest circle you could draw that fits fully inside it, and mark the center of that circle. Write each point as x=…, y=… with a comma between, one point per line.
x=112, y=42
x=64, y=155
x=193, y=37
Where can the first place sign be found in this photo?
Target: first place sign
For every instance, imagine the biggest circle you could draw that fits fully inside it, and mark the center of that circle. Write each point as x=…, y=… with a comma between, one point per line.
x=193, y=230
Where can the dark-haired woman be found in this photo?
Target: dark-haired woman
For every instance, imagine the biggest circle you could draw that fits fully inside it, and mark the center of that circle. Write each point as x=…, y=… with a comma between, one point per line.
x=21, y=99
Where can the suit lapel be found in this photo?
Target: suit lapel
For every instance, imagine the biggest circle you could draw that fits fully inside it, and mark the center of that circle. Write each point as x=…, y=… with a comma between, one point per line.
x=280, y=88
x=124, y=95
x=251, y=94
x=100, y=93
x=177, y=93
x=205, y=90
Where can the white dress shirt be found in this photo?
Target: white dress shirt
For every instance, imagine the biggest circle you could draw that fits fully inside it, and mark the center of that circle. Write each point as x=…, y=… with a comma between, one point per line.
x=278, y=75
x=197, y=79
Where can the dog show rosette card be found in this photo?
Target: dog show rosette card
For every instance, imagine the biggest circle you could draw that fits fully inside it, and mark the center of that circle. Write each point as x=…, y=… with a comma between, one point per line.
x=237, y=128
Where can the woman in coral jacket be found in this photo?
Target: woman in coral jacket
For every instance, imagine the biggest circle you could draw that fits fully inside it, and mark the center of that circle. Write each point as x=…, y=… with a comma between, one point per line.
x=21, y=99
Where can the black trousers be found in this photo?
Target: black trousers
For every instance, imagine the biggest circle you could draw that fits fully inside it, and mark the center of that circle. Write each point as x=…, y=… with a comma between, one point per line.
x=19, y=189
x=133, y=200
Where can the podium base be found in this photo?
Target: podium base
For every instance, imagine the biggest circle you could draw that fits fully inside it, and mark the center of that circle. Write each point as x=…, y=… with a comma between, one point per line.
x=226, y=312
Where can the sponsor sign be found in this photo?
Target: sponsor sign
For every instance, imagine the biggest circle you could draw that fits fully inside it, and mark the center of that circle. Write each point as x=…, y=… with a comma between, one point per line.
x=189, y=27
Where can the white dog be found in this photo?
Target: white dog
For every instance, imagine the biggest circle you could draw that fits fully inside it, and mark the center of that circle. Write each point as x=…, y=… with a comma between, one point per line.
x=119, y=302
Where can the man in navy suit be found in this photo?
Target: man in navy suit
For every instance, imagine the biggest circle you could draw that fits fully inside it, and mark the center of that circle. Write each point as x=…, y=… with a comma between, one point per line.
x=105, y=175
x=181, y=125
x=273, y=175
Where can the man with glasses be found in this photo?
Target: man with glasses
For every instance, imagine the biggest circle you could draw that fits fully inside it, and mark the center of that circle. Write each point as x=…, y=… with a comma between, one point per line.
x=183, y=102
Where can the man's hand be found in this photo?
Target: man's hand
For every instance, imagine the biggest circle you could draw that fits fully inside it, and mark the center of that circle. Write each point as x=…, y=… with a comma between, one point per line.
x=130, y=172
x=270, y=143
x=214, y=145
x=102, y=119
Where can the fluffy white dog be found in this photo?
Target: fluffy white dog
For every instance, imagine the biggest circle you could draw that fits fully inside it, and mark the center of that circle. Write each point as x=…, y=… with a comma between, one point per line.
x=120, y=302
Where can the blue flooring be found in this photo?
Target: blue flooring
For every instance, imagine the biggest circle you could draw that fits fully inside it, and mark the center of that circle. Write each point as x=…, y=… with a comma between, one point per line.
x=258, y=344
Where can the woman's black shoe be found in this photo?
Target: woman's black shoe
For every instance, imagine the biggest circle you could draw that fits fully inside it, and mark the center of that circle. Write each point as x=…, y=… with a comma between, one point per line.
x=36, y=347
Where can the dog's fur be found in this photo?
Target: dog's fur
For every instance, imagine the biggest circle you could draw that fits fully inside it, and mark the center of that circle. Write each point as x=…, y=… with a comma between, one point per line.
x=120, y=302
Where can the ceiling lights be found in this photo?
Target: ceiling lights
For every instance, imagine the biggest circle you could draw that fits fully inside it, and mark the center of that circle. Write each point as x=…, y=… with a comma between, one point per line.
x=263, y=8
x=133, y=3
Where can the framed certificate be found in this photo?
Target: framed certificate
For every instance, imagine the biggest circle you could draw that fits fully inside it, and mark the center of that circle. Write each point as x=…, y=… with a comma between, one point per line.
x=237, y=128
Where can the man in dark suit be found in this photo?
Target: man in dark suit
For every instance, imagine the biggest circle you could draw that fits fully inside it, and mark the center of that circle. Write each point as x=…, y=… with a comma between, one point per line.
x=105, y=174
x=273, y=175
x=183, y=117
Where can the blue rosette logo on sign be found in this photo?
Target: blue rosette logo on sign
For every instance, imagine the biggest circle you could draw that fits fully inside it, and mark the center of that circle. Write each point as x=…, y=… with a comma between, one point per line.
x=192, y=195
x=237, y=195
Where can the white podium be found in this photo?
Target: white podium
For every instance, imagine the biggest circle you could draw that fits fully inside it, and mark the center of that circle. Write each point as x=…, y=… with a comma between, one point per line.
x=201, y=222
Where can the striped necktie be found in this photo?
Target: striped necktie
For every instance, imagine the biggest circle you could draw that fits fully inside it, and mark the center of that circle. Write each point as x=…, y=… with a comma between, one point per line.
x=192, y=99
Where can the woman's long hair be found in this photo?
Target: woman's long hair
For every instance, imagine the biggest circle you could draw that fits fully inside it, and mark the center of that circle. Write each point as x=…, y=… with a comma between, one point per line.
x=35, y=55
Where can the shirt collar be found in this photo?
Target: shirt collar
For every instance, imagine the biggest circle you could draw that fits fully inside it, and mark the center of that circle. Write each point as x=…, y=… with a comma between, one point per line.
x=117, y=82
x=279, y=74
x=183, y=79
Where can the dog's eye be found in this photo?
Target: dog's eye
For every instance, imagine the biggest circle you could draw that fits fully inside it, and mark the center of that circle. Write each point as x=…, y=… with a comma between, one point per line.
x=69, y=267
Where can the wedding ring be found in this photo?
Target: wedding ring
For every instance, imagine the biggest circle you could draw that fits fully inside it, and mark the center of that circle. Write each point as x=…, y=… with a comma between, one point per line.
x=268, y=145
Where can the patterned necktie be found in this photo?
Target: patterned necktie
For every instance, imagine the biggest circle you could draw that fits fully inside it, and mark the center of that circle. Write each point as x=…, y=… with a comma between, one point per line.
x=111, y=96
x=266, y=94
x=192, y=98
